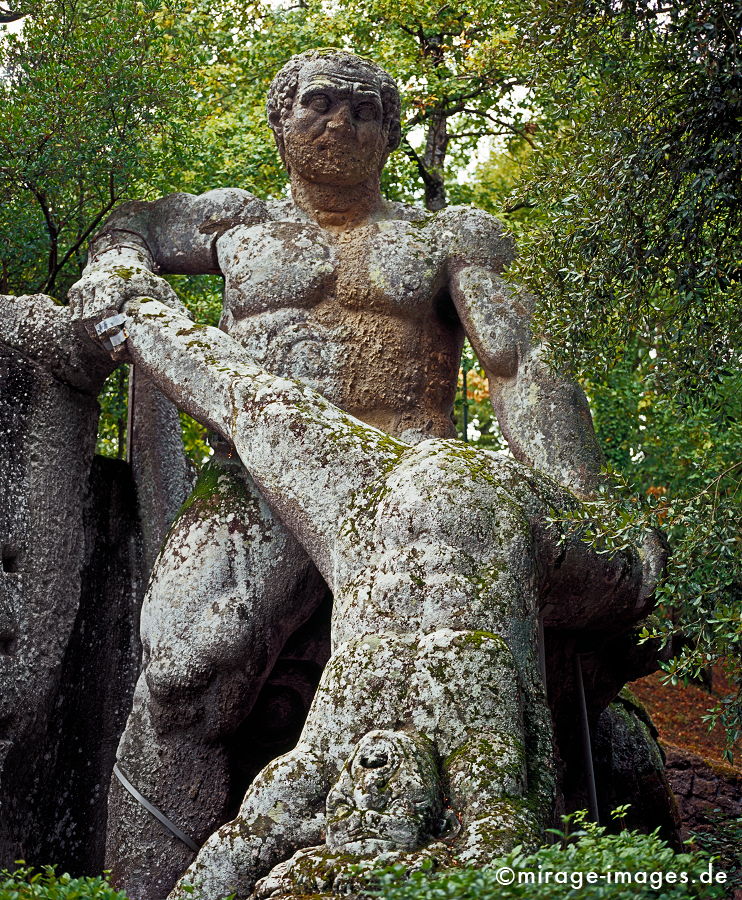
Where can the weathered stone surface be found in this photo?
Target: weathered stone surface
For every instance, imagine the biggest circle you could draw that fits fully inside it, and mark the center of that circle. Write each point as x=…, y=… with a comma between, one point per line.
x=243, y=586
x=424, y=603
x=53, y=766
x=367, y=302
x=703, y=789
x=389, y=795
x=387, y=802
x=630, y=769
x=162, y=473
x=100, y=667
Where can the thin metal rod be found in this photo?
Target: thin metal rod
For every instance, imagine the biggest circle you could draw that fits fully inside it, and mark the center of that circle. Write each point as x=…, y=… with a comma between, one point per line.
x=541, y=650
x=154, y=811
x=130, y=417
x=586, y=743
x=465, y=401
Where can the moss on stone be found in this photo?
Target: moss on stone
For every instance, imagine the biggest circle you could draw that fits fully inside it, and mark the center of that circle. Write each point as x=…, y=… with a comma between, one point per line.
x=213, y=487
x=125, y=272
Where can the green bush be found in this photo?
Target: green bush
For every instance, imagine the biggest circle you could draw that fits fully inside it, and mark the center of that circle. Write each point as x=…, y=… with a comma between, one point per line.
x=640, y=866
x=26, y=883
x=722, y=839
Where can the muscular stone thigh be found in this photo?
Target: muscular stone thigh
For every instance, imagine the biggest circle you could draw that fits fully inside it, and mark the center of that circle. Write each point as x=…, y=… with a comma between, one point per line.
x=228, y=588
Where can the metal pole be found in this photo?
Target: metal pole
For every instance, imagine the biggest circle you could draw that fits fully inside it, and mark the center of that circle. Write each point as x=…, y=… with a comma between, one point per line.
x=465, y=400
x=541, y=649
x=130, y=417
x=586, y=743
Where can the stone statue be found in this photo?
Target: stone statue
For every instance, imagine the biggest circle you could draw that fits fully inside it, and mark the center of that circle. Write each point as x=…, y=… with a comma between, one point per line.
x=434, y=627
x=365, y=301
x=387, y=802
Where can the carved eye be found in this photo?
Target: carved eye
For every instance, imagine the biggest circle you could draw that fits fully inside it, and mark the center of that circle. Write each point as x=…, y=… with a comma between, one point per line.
x=319, y=103
x=339, y=808
x=366, y=112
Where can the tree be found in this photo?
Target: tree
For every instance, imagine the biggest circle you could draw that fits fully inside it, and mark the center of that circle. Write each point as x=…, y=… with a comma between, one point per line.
x=90, y=96
x=632, y=246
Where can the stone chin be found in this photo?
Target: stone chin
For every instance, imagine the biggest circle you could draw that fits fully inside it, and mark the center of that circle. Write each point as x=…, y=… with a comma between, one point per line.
x=376, y=846
x=386, y=833
x=331, y=162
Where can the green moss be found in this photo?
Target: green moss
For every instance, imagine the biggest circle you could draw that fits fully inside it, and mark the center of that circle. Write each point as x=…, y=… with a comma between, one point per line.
x=125, y=272
x=479, y=638
x=481, y=752
x=423, y=222
x=206, y=485
x=215, y=486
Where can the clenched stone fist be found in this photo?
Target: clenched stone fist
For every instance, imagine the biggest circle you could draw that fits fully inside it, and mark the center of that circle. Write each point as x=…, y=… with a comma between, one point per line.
x=101, y=293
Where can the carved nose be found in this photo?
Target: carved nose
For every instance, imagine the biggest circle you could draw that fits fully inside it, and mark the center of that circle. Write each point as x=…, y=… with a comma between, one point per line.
x=341, y=121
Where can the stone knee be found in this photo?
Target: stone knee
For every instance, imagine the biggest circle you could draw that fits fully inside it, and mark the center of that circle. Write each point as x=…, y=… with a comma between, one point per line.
x=210, y=683
x=225, y=594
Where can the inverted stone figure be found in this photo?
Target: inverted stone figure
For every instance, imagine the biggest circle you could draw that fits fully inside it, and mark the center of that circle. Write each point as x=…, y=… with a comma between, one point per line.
x=434, y=618
x=387, y=800
x=388, y=796
x=367, y=302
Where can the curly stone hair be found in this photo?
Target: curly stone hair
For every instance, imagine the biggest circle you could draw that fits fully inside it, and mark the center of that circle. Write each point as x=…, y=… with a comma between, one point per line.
x=284, y=86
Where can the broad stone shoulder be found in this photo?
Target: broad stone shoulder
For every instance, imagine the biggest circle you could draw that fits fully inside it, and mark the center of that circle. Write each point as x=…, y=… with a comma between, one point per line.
x=471, y=236
x=406, y=213
x=213, y=212
x=283, y=209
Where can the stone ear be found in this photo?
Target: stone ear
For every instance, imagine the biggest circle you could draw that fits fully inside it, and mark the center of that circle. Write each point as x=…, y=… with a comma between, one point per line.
x=274, y=120
x=276, y=125
x=395, y=136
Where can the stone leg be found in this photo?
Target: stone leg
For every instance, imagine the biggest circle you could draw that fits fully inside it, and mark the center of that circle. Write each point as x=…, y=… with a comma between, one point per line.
x=283, y=810
x=229, y=587
x=493, y=733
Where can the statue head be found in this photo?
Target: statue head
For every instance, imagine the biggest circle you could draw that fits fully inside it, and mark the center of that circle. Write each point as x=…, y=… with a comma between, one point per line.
x=335, y=116
x=388, y=796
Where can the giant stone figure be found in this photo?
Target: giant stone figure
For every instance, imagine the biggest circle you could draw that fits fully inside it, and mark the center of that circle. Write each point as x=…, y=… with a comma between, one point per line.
x=431, y=710
x=366, y=304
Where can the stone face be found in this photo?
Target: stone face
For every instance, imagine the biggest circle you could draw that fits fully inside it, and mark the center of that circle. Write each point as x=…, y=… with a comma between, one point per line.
x=389, y=795
x=386, y=803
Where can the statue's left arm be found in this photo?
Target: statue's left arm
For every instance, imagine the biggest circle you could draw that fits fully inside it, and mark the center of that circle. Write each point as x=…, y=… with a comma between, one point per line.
x=543, y=415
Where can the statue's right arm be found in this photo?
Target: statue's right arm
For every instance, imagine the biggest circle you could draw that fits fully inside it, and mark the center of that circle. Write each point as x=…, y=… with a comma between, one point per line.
x=143, y=240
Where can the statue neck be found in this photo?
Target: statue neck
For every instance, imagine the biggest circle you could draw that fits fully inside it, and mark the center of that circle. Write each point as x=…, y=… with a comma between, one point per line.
x=337, y=207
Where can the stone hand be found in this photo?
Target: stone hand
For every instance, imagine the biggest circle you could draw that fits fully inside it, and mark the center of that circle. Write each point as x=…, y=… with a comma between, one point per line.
x=101, y=293
x=653, y=552
x=112, y=334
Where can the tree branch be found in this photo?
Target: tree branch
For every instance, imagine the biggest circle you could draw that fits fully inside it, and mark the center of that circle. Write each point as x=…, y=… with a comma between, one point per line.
x=53, y=232
x=84, y=235
x=409, y=151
